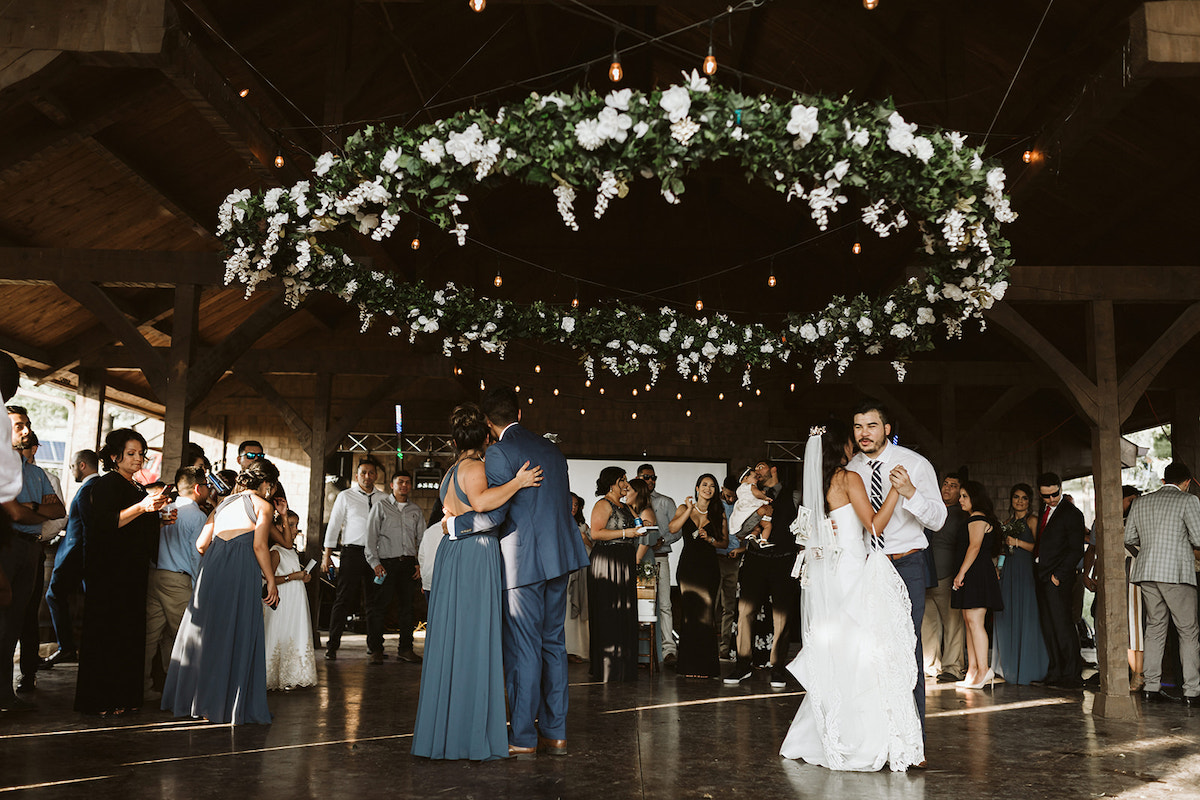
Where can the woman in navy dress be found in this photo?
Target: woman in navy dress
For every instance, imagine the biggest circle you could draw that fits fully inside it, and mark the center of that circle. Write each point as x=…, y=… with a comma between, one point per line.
x=460, y=710
x=219, y=665
x=1020, y=651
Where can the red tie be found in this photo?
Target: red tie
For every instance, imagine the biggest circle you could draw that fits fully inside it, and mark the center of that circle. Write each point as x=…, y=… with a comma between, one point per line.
x=1037, y=546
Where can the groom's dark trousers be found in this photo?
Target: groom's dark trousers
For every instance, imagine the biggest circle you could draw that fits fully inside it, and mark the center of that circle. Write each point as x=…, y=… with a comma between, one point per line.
x=912, y=571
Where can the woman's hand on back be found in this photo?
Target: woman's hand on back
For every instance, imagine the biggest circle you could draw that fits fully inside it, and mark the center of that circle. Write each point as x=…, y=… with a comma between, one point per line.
x=529, y=476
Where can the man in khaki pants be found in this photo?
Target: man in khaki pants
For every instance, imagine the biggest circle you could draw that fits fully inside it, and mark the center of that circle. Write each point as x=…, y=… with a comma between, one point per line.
x=172, y=578
x=943, y=636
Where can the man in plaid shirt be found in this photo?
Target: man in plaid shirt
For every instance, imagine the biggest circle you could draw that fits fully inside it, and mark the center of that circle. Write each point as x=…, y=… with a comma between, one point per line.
x=1166, y=526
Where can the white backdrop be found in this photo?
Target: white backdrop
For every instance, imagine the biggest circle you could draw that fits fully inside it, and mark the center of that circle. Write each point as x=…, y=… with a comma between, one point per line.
x=676, y=479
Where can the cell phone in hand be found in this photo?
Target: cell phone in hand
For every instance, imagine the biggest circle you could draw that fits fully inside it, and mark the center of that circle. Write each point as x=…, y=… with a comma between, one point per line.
x=271, y=606
x=312, y=562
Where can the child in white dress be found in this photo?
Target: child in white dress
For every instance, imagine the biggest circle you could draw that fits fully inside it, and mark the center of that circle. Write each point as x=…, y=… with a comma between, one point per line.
x=751, y=502
x=290, y=660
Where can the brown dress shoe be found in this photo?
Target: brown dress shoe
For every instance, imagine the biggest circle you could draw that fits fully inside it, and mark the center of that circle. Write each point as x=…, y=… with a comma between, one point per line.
x=554, y=747
x=521, y=752
x=376, y=658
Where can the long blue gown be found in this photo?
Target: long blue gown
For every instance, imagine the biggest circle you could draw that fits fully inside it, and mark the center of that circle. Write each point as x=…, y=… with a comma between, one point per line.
x=219, y=665
x=460, y=710
x=1020, y=650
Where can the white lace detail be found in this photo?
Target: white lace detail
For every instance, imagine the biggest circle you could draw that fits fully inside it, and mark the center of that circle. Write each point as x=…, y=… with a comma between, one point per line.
x=290, y=659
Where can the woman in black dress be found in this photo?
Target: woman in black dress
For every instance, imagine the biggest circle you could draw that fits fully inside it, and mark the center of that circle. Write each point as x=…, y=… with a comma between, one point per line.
x=976, y=587
x=701, y=521
x=120, y=531
x=612, y=587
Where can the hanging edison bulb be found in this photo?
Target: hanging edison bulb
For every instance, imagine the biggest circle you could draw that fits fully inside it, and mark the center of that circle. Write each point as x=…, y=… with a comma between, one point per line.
x=635, y=392
x=574, y=302
x=415, y=244
x=689, y=412
x=531, y=401
x=537, y=367
x=615, y=73
x=556, y=392
x=870, y=5
x=857, y=248
x=699, y=304
x=243, y=92
x=771, y=279
x=633, y=415
x=498, y=281
x=588, y=383
x=477, y=5
x=710, y=62
x=678, y=395
x=1027, y=156
x=279, y=160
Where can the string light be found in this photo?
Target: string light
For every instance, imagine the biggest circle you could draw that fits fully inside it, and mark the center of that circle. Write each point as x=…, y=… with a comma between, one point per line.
x=721, y=396
x=537, y=367
x=556, y=391
x=582, y=411
x=601, y=390
x=279, y=159
x=689, y=412
x=647, y=387
x=633, y=415
x=699, y=303
x=479, y=5
x=575, y=297
x=757, y=392
x=588, y=383
x=857, y=248
x=458, y=370
x=793, y=387
x=415, y=244
x=695, y=378
x=517, y=388
x=481, y=385
x=615, y=73
x=678, y=395
x=531, y=401
x=635, y=392
x=710, y=61
x=243, y=92
x=771, y=279
x=870, y=5
x=739, y=403
x=1027, y=156
x=498, y=281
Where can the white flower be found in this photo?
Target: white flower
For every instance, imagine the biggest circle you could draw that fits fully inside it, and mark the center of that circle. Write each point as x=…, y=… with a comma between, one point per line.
x=323, y=164
x=388, y=164
x=568, y=324
x=889, y=306
x=640, y=129
x=901, y=330
x=695, y=82
x=271, y=199
x=998, y=289
x=900, y=134
x=366, y=222
x=857, y=136
x=874, y=349
x=664, y=336
x=684, y=130
x=839, y=170
x=956, y=140
x=709, y=350
x=925, y=316
x=687, y=342
x=865, y=325
x=952, y=292
x=728, y=349
x=766, y=347
x=900, y=370
x=676, y=102
x=808, y=332
x=737, y=134
x=488, y=346
x=613, y=345
x=803, y=124
x=922, y=149
x=587, y=134
x=977, y=163
x=432, y=151
x=552, y=98
x=619, y=99
x=613, y=125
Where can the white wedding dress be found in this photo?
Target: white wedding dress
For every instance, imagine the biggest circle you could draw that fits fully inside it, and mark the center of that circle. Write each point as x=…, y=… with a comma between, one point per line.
x=857, y=663
x=290, y=660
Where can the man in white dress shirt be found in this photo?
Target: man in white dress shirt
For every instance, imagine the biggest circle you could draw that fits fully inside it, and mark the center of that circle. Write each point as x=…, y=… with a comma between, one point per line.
x=883, y=465
x=349, y=520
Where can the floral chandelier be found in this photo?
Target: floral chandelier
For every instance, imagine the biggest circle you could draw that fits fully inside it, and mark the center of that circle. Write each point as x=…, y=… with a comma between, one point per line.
x=809, y=149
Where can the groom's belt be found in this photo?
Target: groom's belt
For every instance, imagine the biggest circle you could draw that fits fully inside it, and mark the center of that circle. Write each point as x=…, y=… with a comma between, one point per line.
x=898, y=556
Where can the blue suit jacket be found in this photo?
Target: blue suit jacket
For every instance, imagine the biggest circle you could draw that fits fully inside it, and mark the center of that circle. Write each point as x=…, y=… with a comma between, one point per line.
x=540, y=540
x=72, y=544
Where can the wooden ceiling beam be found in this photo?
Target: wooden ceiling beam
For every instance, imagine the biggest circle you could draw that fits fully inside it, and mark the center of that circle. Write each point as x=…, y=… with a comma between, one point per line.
x=144, y=268
x=24, y=350
x=1122, y=284
x=203, y=225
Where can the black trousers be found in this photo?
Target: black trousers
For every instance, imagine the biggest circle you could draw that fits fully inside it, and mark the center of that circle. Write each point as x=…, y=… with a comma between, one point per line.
x=19, y=560
x=759, y=578
x=31, y=634
x=399, y=582
x=1059, y=631
x=354, y=575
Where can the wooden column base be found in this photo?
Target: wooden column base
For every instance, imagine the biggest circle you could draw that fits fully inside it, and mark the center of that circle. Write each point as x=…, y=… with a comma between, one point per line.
x=1117, y=706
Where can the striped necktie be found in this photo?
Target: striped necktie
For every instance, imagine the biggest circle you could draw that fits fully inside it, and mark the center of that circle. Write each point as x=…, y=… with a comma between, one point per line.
x=876, y=484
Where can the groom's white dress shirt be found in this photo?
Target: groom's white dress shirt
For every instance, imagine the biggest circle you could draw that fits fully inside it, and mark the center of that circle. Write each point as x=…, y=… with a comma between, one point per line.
x=925, y=509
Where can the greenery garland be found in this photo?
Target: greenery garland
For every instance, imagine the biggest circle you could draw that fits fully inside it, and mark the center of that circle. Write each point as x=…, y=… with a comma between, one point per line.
x=806, y=148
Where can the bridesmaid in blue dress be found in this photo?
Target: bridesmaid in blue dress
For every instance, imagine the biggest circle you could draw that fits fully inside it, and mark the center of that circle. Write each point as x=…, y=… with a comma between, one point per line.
x=219, y=666
x=460, y=710
x=1020, y=652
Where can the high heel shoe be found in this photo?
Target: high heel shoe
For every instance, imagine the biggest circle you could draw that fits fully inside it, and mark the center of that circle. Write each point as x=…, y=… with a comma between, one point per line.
x=965, y=683
x=984, y=681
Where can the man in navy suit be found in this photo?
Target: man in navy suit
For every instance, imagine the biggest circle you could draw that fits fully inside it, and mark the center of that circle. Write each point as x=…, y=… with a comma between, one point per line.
x=67, y=575
x=540, y=546
x=1059, y=547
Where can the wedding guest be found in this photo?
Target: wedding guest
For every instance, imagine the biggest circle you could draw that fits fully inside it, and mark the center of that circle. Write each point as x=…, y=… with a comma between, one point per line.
x=1057, y=551
x=1020, y=651
x=661, y=543
x=218, y=666
x=612, y=587
x=729, y=558
x=348, y=522
x=394, y=530
x=287, y=630
x=461, y=705
x=31, y=632
x=943, y=638
x=976, y=587
x=576, y=629
x=120, y=527
x=1137, y=619
x=173, y=576
x=67, y=575
x=1165, y=525
x=704, y=529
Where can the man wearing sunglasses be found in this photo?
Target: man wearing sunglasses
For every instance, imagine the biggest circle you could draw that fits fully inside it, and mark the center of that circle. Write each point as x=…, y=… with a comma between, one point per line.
x=1059, y=547
x=249, y=451
x=660, y=550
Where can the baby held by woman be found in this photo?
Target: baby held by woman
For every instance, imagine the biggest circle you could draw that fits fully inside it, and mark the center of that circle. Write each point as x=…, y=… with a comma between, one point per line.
x=751, y=517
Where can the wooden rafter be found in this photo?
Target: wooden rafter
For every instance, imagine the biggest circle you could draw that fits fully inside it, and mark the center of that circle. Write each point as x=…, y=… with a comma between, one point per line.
x=95, y=300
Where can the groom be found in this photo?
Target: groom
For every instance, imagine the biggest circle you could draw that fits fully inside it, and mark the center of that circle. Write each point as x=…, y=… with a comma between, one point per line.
x=540, y=546
x=883, y=465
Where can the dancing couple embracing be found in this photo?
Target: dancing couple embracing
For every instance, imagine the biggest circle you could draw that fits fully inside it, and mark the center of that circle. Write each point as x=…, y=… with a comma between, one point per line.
x=863, y=576
x=497, y=604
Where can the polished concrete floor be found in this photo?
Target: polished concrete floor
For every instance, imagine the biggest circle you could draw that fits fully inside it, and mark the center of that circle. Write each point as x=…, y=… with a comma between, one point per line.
x=661, y=737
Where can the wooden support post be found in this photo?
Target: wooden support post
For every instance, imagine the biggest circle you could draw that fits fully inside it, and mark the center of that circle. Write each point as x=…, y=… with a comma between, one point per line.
x=1112, y=625
x=949, y=448
x=316, y=489
x=1185, y=427
x=87, y=425
x=177, y=423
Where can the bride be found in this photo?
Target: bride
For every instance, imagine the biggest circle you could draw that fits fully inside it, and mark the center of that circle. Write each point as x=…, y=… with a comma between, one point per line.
x=856, y=664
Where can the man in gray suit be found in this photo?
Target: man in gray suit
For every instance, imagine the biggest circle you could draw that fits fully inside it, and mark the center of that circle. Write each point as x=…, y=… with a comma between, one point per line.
x=1166, y=526
x=943, y=634
x=539, y=546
